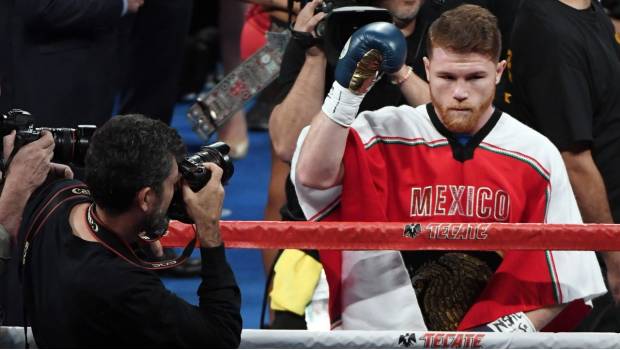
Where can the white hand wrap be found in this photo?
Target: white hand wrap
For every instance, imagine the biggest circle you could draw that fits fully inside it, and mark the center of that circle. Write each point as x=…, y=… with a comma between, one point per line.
x=517, y=322
x=341, y=105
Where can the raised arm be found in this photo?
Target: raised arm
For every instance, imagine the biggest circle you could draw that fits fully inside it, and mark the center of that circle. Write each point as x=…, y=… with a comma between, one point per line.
x=372, y=48
x=305, y=97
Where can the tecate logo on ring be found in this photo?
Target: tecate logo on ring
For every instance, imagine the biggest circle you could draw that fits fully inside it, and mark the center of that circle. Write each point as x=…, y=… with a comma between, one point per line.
x=452, y=340
x=448, y=231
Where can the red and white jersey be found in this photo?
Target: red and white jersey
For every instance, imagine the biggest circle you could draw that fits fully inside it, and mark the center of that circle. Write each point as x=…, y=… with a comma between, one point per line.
x=400, y=166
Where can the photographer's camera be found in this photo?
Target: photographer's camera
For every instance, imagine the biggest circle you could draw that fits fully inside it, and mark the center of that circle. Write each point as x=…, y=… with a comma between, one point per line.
x=197, y=176
x=70, y=144
x=343, y=17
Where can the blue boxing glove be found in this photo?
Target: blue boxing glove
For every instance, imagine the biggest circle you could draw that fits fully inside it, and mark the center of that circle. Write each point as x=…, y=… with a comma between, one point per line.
x=374, y=48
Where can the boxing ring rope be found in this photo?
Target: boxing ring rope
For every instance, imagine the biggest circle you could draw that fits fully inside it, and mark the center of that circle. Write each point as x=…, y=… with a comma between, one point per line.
x=13, y=337
x=412, y=236
x=406, y=236
x=299, y=339
x=401, y=236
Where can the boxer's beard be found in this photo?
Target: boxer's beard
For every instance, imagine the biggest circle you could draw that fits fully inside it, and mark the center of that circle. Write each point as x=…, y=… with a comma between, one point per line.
x=461, y=118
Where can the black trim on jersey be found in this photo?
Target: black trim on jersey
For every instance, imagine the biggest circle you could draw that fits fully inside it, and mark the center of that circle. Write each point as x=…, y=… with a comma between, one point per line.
x=460, y=152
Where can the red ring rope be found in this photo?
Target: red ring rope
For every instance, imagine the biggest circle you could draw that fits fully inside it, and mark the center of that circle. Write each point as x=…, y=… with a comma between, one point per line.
x=392, y=236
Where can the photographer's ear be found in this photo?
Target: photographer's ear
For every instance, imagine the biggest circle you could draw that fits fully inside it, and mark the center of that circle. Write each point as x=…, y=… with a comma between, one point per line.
x=147, y=199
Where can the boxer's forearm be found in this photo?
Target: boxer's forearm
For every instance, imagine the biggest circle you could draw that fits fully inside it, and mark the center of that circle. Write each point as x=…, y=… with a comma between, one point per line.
x=320, y=158
x=300, y=105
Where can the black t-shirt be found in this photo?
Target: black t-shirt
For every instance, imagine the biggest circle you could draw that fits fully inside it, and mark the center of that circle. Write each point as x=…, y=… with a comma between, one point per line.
x=83, y=295
x=565, y=82
x=5, y=55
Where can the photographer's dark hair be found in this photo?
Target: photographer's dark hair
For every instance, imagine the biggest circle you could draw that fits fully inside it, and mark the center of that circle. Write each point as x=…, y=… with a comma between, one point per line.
x=466, y=29
x=126, y=154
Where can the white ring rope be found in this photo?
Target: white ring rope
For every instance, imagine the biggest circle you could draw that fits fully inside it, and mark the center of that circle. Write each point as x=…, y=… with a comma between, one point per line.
x=300, y=339
x=13, y=337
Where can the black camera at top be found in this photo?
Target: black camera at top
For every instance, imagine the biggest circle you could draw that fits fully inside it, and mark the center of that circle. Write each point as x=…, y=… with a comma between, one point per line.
x=343, y=18
x=70, y=144
x=197, y=176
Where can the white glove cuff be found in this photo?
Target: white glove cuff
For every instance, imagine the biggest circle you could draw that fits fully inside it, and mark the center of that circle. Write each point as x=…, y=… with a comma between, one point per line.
x=517, y=322
x=341, y=105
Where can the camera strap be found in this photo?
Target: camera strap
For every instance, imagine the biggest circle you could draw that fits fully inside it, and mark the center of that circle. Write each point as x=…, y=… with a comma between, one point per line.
x=80, y=193
x=71, y=192
x=114, y=243
x=44, y=212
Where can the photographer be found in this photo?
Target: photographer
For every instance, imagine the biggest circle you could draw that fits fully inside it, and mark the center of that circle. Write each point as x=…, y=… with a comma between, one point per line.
x=85, y=283
x=27, y=170
x=52, y=47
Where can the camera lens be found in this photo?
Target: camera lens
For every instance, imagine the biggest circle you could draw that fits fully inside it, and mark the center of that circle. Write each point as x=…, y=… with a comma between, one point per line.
x=319, y=30
x=197, y=176
x=70, y=145
x=64, y=140
x=83, y=135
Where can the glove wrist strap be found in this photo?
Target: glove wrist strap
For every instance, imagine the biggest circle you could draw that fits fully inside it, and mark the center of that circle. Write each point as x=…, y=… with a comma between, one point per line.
x=341, y=105
x=517, y=322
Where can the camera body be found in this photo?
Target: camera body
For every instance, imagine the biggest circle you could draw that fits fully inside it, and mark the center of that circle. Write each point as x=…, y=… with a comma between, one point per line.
x=70, y=144
x=197, y=176
x=331, y=6
x=343, y=18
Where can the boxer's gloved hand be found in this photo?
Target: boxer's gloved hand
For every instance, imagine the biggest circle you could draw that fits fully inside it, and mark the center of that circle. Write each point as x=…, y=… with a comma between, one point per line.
x=374, y=48
x=517, y=322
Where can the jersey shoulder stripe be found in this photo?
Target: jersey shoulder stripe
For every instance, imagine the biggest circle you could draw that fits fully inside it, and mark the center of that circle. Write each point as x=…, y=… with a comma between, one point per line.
x=403, y=124
x=512, y=138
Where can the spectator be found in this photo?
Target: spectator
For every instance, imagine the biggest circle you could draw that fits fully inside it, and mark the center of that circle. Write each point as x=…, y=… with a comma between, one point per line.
x=152, y=42
x=264, y=16
x=91, y=290
x=565, y=73
x=439, y=162
x=27, y=170
x=62, y=63
x=231, y=16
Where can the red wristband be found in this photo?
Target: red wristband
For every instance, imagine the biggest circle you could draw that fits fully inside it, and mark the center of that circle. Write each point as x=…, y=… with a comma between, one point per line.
x=403, y=79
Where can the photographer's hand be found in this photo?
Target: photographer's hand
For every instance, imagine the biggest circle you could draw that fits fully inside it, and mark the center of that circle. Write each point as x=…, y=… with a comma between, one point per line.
x=61, y=171
x=56, y=170
x=26, y=172
x=134, y=5
x=306, y=22
x=31, y=163
x=205, y=207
